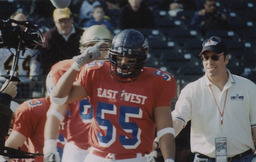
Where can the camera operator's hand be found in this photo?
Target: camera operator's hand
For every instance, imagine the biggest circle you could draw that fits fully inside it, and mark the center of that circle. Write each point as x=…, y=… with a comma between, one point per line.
x=11, y=88
x=90, y=54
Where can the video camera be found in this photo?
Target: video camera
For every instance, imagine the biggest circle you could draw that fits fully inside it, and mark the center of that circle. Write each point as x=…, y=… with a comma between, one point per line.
x=14, y=37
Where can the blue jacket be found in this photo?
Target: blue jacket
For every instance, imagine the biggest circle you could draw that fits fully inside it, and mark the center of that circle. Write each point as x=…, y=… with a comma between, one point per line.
x=103, y=22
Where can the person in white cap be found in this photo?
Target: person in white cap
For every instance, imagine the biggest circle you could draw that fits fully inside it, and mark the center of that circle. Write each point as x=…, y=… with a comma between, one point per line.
x=221, y=107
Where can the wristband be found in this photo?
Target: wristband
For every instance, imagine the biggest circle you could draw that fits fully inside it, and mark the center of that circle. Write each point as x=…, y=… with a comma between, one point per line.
x=76, y=66
x=59, y=101
x=164, y=131
x=169, y=160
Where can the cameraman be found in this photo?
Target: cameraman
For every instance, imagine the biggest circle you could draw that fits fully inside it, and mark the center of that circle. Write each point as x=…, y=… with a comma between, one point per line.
x=8, y=92
x=27, y=67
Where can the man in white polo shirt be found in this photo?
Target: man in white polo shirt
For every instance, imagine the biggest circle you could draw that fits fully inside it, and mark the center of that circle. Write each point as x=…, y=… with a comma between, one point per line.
x=221, y=107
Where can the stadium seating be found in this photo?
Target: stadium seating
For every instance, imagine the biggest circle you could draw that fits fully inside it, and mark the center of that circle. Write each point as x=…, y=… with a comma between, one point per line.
x=224, y=34
x=249, y=35
x=249, y=59
x=235, y=66
x=167, y=24
x=180, y=35
x=189, y=72
x=157, y=40
x=235, y=47
x=185, y=16
x=153, y=61
x=193, y=46
x=175, y=59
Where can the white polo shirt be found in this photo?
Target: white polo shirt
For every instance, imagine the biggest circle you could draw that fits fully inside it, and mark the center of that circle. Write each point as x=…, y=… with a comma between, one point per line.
x=196, y=103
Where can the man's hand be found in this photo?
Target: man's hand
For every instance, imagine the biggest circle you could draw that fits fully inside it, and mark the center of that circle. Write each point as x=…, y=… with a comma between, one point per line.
x=11, y=89
x=90, y=54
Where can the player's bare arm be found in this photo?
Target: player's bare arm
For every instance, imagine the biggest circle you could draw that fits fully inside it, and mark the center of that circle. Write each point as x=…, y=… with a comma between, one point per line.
x=163, y=119
x=254, y=138
x=77, y=93
x=64, y=87
x=11, y=89
x=178, y=125
x=65, y=84
x=55, y=116
x=254, y=135
x=15, y=140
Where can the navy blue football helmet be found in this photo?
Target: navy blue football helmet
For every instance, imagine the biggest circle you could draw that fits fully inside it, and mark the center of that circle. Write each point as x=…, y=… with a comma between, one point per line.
x=132, y=44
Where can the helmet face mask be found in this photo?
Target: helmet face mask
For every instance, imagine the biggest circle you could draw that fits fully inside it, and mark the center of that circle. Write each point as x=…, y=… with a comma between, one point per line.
x=128, y=45
x=125, y=67
x=93, y=35
x=104, y=47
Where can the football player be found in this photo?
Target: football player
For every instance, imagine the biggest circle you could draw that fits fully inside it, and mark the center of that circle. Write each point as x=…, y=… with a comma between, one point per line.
x=130, y=102
x=28, y=126
x=80, y=112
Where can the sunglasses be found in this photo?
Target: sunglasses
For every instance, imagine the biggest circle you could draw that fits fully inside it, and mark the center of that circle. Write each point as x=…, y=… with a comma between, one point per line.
x=213, y=57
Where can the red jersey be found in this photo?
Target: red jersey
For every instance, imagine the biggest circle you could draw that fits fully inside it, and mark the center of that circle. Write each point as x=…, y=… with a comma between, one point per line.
x=30, y=121
x=123, y=112
x=80, y=114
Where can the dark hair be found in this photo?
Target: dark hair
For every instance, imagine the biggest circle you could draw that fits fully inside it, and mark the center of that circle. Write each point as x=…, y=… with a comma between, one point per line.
x=98, y=6
x=209, y=1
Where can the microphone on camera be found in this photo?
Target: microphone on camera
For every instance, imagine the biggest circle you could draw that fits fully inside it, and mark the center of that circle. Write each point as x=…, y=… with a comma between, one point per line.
x=60, y=3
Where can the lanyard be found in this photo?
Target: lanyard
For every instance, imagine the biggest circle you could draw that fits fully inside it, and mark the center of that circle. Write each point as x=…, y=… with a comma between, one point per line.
x=221, y=113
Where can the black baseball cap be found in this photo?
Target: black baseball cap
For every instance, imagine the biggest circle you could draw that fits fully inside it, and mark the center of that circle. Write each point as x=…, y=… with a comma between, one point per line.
x=214, y=44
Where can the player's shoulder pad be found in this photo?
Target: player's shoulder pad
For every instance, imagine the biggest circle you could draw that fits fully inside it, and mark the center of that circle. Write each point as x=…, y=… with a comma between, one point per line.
x=63, y=64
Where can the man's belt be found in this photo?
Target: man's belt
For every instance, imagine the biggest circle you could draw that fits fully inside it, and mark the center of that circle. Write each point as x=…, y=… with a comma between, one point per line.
x=230, y=158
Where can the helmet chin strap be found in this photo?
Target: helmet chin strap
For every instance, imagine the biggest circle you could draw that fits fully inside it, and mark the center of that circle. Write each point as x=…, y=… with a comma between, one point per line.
x=119, y=77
